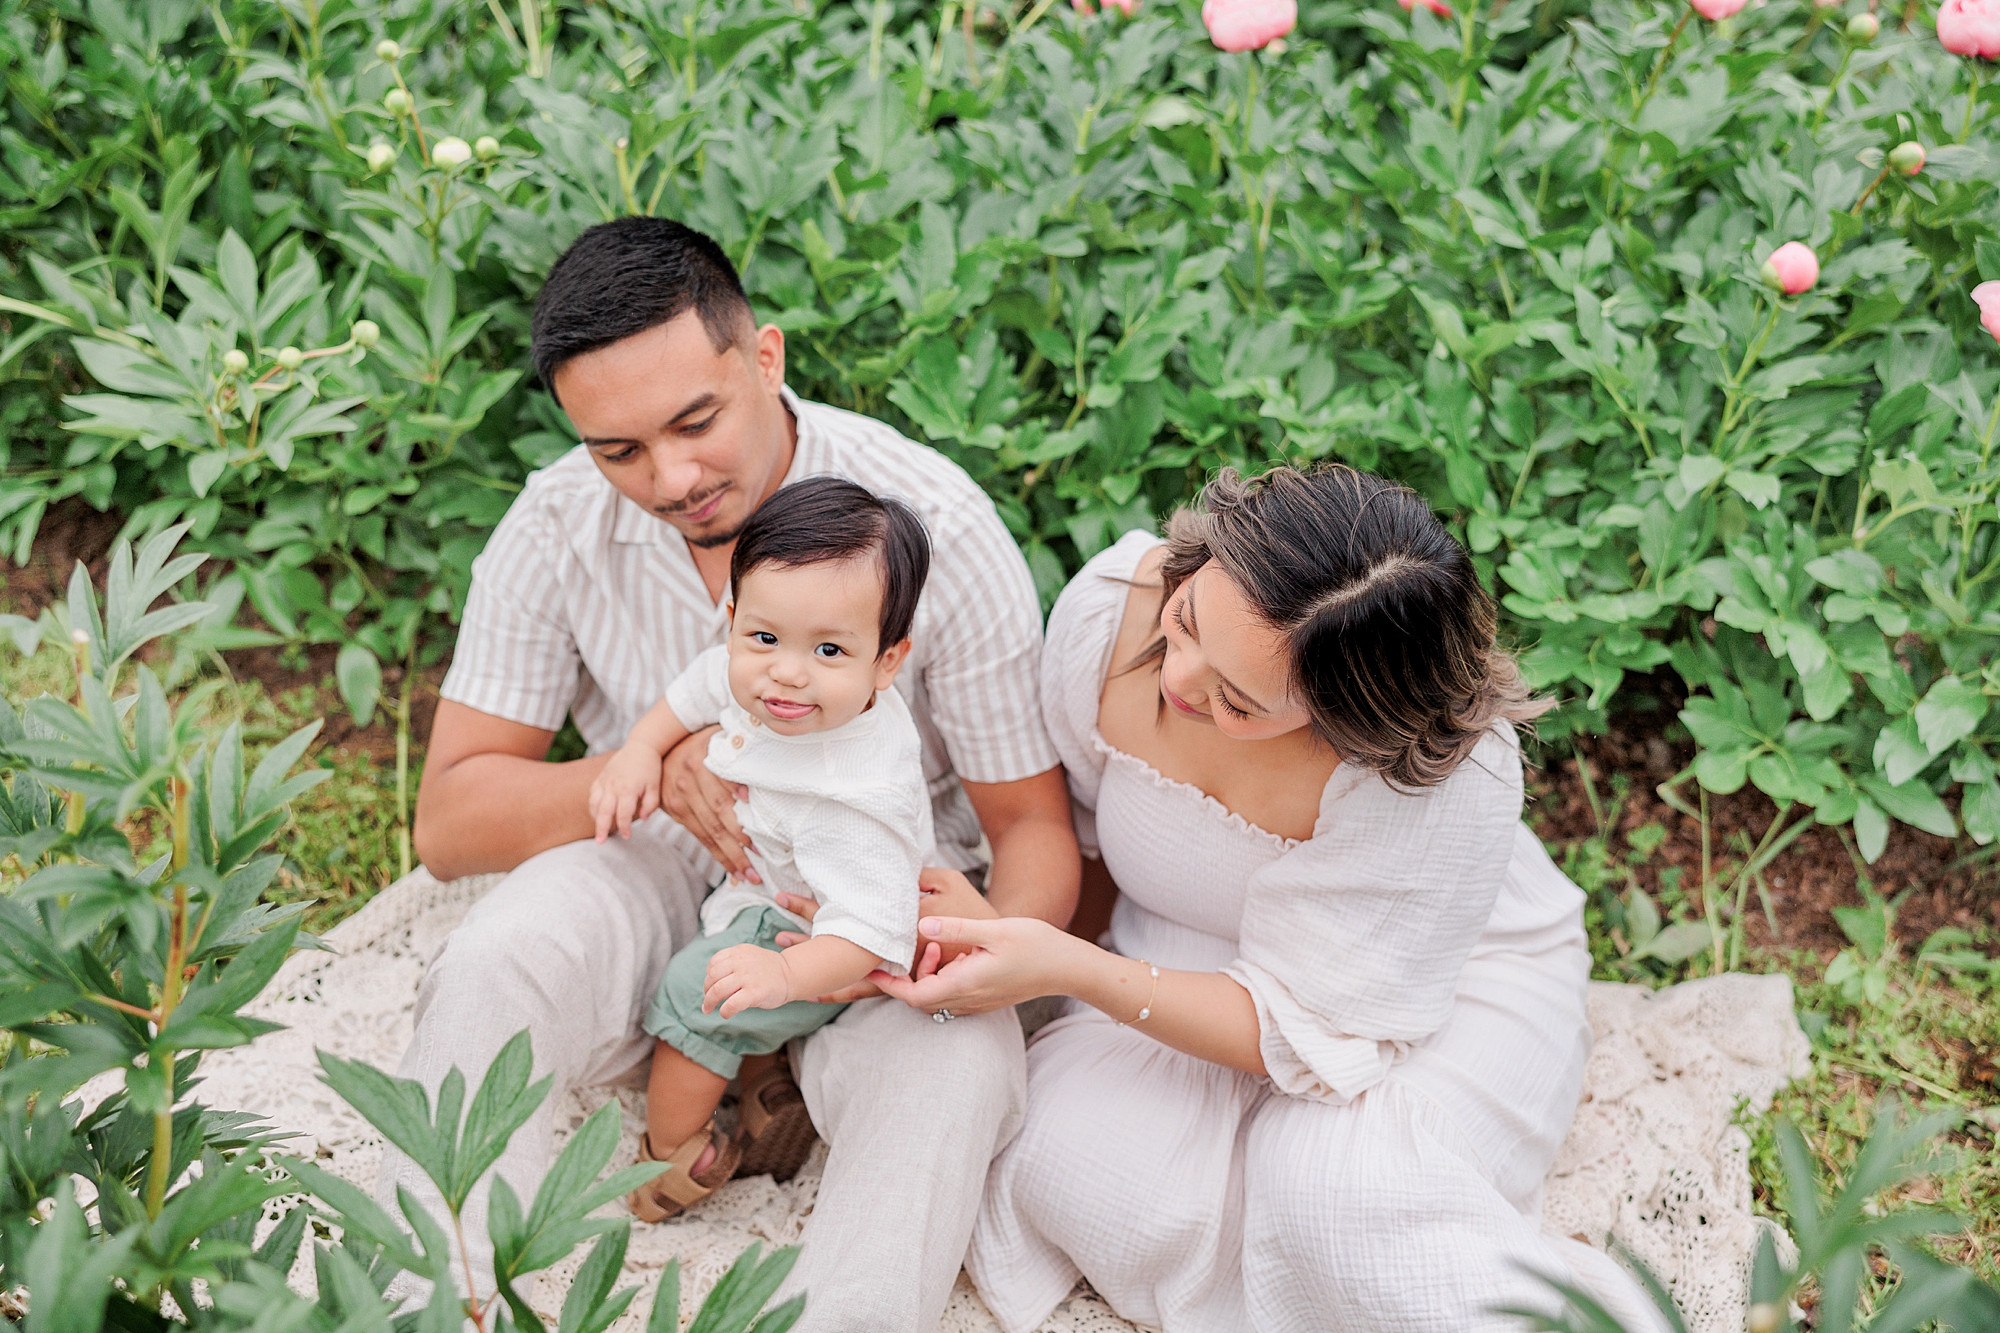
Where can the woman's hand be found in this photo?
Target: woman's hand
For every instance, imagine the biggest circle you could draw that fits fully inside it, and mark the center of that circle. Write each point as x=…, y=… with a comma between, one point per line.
x=996, y=962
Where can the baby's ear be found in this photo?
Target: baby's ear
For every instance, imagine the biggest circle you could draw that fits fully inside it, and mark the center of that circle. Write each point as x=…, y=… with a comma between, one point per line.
x=889, y=663
x=729, y=610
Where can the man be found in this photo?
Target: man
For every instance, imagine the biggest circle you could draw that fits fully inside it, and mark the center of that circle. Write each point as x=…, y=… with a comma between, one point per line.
x=607, y=576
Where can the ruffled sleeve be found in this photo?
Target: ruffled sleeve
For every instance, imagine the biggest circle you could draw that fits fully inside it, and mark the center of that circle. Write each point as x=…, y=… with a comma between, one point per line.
x=1352, y=943
x=1082, y=631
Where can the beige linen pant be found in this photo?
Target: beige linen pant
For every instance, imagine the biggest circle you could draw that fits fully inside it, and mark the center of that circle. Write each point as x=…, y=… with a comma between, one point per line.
x=570, y=945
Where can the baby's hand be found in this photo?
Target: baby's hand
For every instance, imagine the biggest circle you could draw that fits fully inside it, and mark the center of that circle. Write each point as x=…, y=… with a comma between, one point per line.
x=626, y=791
x=744, y=976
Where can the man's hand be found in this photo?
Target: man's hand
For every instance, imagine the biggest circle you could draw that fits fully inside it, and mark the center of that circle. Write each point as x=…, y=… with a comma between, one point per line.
x=627, y=791
x=706, y=805
x=744, y=976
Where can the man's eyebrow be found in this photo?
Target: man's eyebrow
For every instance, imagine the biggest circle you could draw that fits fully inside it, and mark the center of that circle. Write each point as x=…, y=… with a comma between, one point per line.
x=1187, y=605
x=700, y=401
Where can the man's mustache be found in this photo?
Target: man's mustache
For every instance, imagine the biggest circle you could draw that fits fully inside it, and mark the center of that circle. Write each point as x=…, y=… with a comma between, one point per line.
x=691, y=504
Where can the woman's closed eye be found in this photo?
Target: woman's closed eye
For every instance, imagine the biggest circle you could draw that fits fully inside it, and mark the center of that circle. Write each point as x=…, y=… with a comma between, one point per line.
x=1221, y=692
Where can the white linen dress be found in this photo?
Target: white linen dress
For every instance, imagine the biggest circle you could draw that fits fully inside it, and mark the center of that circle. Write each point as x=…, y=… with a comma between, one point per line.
x=1418, y=967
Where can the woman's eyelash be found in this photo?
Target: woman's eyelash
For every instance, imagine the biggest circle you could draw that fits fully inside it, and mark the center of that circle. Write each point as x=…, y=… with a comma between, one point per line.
x=1234, y=711
x=1180, y=618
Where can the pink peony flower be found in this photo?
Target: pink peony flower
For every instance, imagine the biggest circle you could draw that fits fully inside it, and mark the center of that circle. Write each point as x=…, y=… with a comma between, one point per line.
x=1437, y=7
x=1716, y=9
x=1792, y=268
x=1970, y=27
x=1246, y=25
x=1987, y=296
x=1907, y=157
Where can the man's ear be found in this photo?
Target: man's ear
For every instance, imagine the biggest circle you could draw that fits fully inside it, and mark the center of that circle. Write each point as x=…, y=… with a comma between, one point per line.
x=889, y=663
x=768, y=353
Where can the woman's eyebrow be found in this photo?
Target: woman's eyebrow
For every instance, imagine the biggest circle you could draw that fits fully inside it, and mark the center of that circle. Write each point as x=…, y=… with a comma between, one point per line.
x=1194, y=632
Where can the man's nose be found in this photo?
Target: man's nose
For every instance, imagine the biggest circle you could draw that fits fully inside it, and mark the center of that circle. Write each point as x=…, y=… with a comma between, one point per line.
x=674, y=478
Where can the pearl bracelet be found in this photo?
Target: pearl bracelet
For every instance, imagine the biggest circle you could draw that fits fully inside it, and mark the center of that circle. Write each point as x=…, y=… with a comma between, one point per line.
x=1147, y=1011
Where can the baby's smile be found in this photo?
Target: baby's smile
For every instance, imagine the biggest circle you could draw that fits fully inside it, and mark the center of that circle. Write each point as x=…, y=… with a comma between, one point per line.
x=787, y=710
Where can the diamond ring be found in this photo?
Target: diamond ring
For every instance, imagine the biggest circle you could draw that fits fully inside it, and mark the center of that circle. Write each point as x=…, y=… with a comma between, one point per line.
x=943, y=1016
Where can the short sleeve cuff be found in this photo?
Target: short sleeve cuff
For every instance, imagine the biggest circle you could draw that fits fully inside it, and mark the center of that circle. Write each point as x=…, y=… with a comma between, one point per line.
x=1305, y=1055
x=544, y=710
x=893, y=948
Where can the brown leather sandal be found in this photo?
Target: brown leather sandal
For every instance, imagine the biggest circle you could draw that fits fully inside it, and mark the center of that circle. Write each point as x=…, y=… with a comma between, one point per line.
x=668, y=1194
x=777, y=1131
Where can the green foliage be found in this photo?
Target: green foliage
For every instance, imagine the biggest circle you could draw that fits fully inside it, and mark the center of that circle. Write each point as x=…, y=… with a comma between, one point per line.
x=1510, y=258
x=110, y=971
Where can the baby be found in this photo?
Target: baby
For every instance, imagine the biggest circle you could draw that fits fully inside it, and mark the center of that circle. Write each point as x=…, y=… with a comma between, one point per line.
x=824, y=579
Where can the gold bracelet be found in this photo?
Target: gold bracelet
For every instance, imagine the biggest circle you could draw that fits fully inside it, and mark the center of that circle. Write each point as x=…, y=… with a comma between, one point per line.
x=1146, y=1012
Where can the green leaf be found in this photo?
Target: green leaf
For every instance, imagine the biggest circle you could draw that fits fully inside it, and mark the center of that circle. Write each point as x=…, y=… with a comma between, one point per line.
x=1949, y=711
x=360, y=678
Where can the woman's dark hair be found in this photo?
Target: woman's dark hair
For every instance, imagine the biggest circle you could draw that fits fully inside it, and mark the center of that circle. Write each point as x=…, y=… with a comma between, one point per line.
x=1391, y=636
x=824, y=520
x=624, y=277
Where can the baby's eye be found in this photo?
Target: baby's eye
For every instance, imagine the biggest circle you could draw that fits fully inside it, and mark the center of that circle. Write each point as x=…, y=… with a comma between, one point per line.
x=828, y=651
x=765, y=637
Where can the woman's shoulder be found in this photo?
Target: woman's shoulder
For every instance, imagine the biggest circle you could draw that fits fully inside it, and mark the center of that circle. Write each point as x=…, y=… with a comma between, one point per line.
x=1100, y=589
x=1487, y=782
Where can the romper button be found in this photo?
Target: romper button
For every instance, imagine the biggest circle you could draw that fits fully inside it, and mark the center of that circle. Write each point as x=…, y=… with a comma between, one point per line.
x=736, y=741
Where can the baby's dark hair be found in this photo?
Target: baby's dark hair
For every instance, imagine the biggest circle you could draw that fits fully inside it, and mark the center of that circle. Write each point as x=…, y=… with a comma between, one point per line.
x=824, y=520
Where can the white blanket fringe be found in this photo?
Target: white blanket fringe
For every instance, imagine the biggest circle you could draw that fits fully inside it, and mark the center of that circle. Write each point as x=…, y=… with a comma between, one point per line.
x=1655, y=1161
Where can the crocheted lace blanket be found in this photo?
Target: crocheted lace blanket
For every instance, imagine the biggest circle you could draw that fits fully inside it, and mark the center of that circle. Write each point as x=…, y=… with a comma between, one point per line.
x=1655, y=1162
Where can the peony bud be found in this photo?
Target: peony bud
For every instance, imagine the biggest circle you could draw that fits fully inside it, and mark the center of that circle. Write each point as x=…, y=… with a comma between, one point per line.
x=388, y=52
x=397, y=101
x=1716, y=9
x=1792, y=268
x=1987, y=296
x=1907, y=157
x=1437, y=7
x=1763, y=1317
x=1827, y=4
x=1863, y=28
x=486, y=147
x=234, y=362
x=291, y=358
x=1125, y=7
x=1970, y=27
x=366, y=333
x=381, y=156
x=451, y=154
x=1246, y=25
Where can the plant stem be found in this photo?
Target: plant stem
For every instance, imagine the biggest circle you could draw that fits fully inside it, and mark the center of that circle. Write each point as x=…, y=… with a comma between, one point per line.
x=1971, y=102
x=1660, y=65
x=1880, y=176
x=161, y=1165
x=403, y=751
x=1832, y=88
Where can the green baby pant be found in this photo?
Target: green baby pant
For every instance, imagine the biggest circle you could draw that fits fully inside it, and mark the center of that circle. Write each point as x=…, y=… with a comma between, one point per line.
x=716, y=1043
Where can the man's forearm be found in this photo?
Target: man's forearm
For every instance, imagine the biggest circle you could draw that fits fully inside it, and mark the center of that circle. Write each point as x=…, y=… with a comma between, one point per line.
x=493, y=811
x=1035, y=870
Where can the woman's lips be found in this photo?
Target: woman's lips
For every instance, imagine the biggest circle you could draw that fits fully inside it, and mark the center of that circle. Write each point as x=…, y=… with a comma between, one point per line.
x=1181, y=704
x=787, y=709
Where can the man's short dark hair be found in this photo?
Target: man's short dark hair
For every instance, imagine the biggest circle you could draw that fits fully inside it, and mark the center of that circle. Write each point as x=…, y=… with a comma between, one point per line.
x=622, y=278
x=823, y=520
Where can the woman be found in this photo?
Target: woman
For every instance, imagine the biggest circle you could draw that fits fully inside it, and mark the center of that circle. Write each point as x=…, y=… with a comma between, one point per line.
x=1317, y=1077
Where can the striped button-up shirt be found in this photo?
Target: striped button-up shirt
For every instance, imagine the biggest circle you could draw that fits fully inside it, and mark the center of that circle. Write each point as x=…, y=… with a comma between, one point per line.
x=585, y=604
